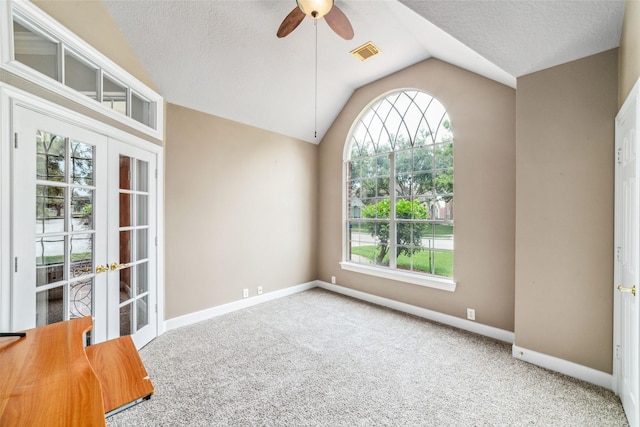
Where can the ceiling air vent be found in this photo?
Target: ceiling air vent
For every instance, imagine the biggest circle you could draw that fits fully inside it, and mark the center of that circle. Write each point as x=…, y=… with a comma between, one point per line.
x=365, y=51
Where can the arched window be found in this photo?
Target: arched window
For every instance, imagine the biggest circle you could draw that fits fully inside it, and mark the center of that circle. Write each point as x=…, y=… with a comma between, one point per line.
x=399, y=186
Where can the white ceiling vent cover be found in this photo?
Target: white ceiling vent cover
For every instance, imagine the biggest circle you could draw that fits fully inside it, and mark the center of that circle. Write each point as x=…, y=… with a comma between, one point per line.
x=365, y=51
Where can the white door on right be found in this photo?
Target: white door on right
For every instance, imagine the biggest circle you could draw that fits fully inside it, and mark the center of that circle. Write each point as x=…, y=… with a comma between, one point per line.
x=627, y=242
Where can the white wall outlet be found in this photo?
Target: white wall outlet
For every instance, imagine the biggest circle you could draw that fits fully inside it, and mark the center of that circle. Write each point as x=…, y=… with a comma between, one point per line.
x=471, y=314
x=245, y=293
x=259, y=290
x=333, y=279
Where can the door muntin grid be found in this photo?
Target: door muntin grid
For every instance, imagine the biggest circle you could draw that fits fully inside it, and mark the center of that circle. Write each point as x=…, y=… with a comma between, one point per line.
x=64, y=228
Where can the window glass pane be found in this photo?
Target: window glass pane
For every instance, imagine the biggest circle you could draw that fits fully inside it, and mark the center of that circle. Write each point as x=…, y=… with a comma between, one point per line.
x=142, y=175
x=114, y=95
x=82, y=163
x=51, y=151
x=368, y=188
x=443, y=261
x=142, y=215
x=382, y=187
x=125, y=247
x=49, y=260
x=140, y=109
x=443, y=236
x=82, y=209
x=126, y=320
x=369, y=167
x=126, y=290
x=80, y=297
x=126, y=208
x=423, y=159
x=404, y=161
x=142, y=278
x=50, y=209
x=443, y=156
x=142, y=312
x=80, y=76
x=141, y=244
x=35, y=50
x=81, y=254
x=125, y=173
x=423, y=184
x=440, y=208
x=50, y=306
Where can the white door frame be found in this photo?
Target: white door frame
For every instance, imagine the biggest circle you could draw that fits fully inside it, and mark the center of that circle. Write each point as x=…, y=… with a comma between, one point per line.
x=632, y=102
x=10, y=96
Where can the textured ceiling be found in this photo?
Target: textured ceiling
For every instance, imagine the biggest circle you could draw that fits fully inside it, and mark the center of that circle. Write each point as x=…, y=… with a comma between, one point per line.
x=222, y=57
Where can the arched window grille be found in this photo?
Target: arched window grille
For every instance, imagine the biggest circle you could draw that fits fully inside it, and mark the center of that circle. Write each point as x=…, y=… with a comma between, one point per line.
x=399, y=185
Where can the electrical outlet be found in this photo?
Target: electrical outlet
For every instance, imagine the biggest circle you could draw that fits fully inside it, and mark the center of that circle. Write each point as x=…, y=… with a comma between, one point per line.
x=333, y=279
x=471, y=314
x=259, y=290
x=245, y=293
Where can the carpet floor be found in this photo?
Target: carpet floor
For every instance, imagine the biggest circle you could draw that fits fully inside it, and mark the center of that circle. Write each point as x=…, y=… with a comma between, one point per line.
x=317, y=358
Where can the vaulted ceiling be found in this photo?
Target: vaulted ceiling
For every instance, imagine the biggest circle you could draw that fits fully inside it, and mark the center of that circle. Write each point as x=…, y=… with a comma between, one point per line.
x=223, y=57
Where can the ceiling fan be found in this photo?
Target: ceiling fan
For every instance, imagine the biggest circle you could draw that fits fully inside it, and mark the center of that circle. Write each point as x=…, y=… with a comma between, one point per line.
x=317, y=9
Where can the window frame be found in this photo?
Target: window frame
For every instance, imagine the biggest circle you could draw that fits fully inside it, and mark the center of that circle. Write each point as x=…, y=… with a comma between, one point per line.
x=68, y=43
x=391, y=273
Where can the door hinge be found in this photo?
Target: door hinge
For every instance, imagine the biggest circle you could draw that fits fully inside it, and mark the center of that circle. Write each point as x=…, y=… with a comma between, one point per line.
x=156, y=173
x=15, y=264
x=15, y=140
x=156, y=307
x=617, y=351
x=156, y=240
x=619, y=155
x=618, y=253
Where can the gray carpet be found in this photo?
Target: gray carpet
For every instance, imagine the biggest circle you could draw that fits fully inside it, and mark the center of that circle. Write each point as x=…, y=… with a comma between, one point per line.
x=321, y=359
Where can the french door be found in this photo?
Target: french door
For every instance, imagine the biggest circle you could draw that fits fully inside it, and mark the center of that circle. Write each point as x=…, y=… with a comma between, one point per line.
x=83, y=210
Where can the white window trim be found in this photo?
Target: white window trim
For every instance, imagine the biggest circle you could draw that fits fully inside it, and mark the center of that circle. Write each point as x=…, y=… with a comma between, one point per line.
x=401, y=276
x=78, y=46
x=430, y=281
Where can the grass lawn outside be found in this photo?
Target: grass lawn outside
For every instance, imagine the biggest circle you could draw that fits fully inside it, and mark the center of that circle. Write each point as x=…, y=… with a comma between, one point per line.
x=443, y=260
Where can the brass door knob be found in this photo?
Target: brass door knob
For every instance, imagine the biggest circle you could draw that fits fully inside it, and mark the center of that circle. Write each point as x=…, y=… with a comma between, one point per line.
x=101, y=269
x=117, y=266
x=631, y=289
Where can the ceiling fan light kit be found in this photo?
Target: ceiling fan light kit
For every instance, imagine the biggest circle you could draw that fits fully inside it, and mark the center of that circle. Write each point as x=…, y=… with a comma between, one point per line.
x=315, y=8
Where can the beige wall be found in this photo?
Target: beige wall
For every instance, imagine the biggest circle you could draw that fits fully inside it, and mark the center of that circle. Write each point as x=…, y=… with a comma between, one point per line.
x=564, y=210
x=241, y=211
x=629, y=60
x=482, y=114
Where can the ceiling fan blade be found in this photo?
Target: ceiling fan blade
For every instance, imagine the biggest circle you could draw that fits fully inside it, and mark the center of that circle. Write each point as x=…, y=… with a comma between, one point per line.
x=293, y=19
x=339, y=23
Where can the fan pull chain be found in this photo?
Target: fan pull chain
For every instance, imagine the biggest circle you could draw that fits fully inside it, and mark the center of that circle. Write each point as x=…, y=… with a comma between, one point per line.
x=315, y=116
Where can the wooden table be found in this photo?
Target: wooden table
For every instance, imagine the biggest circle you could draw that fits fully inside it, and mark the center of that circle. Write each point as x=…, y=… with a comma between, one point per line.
x=50, y=378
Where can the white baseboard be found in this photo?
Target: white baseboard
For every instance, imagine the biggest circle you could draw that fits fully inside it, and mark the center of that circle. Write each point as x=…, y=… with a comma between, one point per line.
x=219, y=310
x=467, y=325
x=565, y=367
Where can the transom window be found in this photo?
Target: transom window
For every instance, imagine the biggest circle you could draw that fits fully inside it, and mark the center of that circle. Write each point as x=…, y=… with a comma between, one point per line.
x=399, y=186
x=42, y=51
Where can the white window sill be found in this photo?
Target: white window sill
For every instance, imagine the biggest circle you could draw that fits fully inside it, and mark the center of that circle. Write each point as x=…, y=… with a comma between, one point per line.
x=401, y=276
